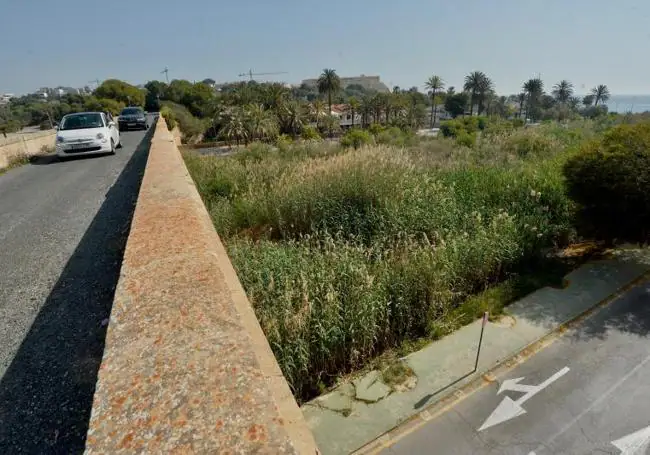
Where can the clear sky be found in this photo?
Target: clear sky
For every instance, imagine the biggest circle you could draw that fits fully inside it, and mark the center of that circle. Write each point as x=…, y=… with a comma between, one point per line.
x=70, y=42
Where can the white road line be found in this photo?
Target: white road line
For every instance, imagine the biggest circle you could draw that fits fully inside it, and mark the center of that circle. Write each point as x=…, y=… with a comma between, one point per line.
x=599, y=400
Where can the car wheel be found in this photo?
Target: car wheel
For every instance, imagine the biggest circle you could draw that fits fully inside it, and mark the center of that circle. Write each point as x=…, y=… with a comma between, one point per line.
x=112, y=147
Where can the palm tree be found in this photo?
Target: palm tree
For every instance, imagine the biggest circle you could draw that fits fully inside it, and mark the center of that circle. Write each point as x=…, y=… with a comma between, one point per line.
x=600, y=93
x=434, y=83
x=234, y=125
x=292, y=117
x=521, y=99
x=473, y=83
x=574, y=103
x=485, y=90
x=259, y=122
x=366, y=109
x=588, y=100
x=330, y=83
x=319, y=107
x=534, y=89
x=354, y=107
x=563, y=91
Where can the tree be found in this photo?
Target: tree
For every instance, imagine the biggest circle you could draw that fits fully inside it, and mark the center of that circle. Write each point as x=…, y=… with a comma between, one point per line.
x=329, y=83
x=354, y=107
x=366, y=109
x=234, y=126
x=534, y=89
x=292, y=117
x=455, y=104
x=588, y=100
x=574, y=103
x=474, y=82
x=563, y=91
x=434, y=83
x=259, y=122
x=197, y=98
x=485, y=91
x=600, y=93
x=319, y=109
x=155, y=93
x=120, y=91
x=209, y=81
x=521, y=99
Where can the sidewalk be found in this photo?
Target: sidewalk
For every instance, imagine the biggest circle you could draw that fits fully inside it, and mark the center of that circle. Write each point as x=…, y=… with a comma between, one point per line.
x=357, y=413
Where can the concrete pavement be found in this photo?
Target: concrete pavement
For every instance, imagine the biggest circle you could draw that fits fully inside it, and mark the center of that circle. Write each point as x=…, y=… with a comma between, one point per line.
x=586, y=393
x=63, y=226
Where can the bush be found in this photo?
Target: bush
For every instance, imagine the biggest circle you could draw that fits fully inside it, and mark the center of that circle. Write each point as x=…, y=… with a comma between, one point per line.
x=396, y=137
x=469, y=125
x=518, y=122
x=191, y=127
x=609, y=180
x=465, y=139
x=310, y=134
x=283, y=141
x=169, y=117
x=375, y=129
x=356, y=138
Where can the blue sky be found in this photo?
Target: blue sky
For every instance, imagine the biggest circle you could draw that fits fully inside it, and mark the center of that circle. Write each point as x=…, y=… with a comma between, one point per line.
x=70, y=42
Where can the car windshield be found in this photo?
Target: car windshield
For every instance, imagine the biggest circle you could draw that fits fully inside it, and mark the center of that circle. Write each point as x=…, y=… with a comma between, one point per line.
x=81, y=121
x=131, y=111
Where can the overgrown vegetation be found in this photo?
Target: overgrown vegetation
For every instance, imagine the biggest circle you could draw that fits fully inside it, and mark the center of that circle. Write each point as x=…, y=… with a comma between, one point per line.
x=346, y=253
x=610, y=179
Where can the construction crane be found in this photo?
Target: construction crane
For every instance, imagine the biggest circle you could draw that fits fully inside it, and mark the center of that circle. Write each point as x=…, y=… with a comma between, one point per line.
x=166, y=72
x=250, y=74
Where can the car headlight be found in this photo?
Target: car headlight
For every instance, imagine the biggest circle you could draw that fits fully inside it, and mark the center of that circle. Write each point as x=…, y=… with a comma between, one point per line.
x=100, y=135
x=60, y=139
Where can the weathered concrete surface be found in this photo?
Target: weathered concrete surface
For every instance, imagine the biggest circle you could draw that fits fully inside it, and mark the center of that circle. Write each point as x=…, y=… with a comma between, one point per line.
x=186, y=368
x=25, y=145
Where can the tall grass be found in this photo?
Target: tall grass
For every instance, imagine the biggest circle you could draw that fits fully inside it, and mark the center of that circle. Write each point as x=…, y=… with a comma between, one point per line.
x=346, y=253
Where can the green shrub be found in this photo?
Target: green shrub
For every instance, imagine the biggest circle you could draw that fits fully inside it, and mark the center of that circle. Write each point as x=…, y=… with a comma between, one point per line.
x=310, y=134
x=283, y=141
x=376, y=128
x=609, y=180
x=531, y=143
x=518, y=122
x=169, y=117
x=466, y=139
x=191, y=127
x=356, y=138
x=396, y=137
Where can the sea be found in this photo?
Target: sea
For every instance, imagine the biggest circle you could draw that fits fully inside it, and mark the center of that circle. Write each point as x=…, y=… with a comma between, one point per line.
x=629, y=103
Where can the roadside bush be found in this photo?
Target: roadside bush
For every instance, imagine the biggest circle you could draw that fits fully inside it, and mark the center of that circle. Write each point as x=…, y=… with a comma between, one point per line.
x=169, y=117
x=191, y=127
x=468, y=125
x=356, y=138
x=518, y=122
x=609, y=180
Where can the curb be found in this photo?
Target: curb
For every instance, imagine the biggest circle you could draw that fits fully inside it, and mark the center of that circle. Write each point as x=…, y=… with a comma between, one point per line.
x=487, y=376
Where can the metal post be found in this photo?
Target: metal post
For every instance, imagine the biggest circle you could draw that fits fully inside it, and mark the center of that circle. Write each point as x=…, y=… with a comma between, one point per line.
x=480, y=340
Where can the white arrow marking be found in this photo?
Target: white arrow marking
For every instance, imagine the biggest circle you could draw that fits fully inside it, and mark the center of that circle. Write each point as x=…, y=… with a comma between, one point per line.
x=513, y=384
x=508, y=408
x=636, y=443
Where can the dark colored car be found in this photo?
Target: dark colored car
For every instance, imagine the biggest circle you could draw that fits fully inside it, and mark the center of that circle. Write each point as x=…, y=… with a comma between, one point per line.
x=132, y=118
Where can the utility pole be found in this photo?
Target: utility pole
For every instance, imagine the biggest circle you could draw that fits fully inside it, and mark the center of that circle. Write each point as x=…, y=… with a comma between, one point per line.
x=166, y=71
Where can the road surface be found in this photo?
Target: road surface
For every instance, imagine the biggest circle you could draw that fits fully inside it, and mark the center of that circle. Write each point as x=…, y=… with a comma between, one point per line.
x=586, y=393
x=63, y=227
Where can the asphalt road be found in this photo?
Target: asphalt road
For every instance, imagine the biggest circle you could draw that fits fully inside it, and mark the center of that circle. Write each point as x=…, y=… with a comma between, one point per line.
x=586, y=393
x=63, y=227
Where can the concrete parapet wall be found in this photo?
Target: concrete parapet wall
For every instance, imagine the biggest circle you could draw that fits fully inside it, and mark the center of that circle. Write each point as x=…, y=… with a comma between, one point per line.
x=186, y=367
x=24, y=145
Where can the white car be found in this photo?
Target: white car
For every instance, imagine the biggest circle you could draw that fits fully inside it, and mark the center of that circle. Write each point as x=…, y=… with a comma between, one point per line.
x=86, y=133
